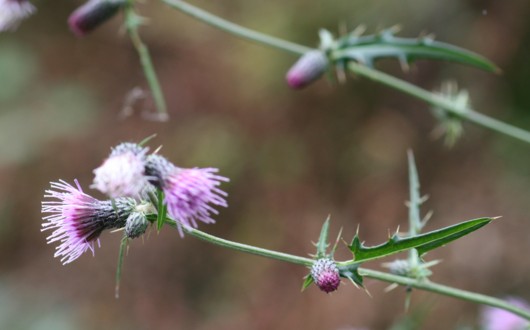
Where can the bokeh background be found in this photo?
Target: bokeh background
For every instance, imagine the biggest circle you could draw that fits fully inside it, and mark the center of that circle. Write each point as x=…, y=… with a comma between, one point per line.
x=293, y=158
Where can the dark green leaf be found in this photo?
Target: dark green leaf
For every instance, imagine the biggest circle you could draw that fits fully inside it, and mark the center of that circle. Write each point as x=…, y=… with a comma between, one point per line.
x=367, y=49
x=423, y=243
x=351, y=272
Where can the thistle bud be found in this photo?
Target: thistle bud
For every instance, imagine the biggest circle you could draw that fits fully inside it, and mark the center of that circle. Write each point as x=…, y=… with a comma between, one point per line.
x=325, y=274
x=136, y=225
x=92, y=14
x=310, y=67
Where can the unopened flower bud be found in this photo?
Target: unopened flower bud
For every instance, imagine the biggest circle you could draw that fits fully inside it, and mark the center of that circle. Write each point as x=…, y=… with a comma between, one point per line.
x=325, y=274
x=92, y=14
x=136, y=224
x=307, y=69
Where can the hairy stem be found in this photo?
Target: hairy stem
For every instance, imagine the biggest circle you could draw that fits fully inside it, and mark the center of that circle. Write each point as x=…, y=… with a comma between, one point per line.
x=359, y=69
x=132, y=21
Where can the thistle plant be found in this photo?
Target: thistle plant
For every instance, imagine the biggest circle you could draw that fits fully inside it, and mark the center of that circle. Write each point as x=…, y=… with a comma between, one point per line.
x=179, y=197
x=146, y=191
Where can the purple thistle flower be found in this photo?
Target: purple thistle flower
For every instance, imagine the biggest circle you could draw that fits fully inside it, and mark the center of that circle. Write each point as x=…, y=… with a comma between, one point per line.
x=188, y=192
x=325, y=274
x=309, y=68
x=498, y=319
x=122, y=174
x=78, y=219
x=92, y=14
x=14, y=11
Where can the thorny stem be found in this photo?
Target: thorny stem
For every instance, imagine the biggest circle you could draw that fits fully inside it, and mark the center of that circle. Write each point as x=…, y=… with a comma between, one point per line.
x=421, y=284
x=132, y=21
x=359, y=69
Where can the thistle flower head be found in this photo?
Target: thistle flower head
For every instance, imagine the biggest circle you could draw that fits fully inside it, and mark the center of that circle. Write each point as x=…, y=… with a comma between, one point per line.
x=325, y=274
x=189, y=193
x=14, y=11
x=122, y=174
x=92, y=14
x=309, y=68
x=77, y=219
x=498, y=319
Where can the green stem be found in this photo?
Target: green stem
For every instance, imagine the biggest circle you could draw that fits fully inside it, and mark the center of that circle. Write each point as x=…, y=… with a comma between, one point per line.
x=132, y=21
x=235, y=29
x=246, y=248
x=439, y=101
x=385, y=277
x=359, y=69
x=445, y=290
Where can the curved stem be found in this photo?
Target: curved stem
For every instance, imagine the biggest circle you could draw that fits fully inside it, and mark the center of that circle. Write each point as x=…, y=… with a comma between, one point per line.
x=421, y=284
x=132, y=21
x=439, y=101
x=235, y=29
x=244, y=247
x=445, y=290
x=359, y=69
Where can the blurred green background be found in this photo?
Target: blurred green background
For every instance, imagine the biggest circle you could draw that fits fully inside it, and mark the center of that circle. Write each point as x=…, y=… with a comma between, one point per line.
x=293, y=158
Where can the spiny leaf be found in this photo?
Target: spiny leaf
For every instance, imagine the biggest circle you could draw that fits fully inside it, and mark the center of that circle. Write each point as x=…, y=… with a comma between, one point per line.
x=367, y=49
x=322, y=243
x=308, y=280
x=423, y=243
x=351, y=272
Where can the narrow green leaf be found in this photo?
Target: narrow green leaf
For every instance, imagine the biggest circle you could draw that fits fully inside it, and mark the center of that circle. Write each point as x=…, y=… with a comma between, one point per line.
x=423, y=243
x=162, y=210
x=367, y=49
x=308, y=280
x=322, y=243
x=121, y=254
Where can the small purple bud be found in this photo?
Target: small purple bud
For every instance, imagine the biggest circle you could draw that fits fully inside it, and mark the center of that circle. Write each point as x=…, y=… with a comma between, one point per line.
x=92, y=14
x=325, y=274
x=310, y=67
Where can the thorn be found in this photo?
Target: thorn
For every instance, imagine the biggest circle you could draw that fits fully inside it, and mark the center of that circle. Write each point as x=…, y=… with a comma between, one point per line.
x=395, y=29
x=391, y=287
x=117, y=230
x=424, y=198
x=157, y=150
x=497, y=217
x=358, y=31
x=404, y=63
